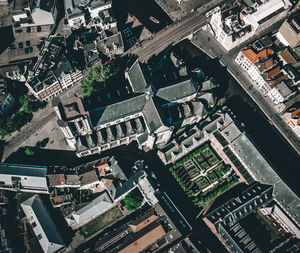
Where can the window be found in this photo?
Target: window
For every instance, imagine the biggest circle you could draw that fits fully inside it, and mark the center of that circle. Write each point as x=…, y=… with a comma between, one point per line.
x=39, y=236
x=28, y=29
x=33, y=224
x=39, y=28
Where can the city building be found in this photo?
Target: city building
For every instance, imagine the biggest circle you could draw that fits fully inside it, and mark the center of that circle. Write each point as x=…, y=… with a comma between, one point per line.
x=42, y=225
x=6, y=242
x=256, y=61
x=148, y=116
x=224, y=220
x=234, y=147
x=52, y=73
x=151, y=230
x=98, y=6
x=90, y=211
x=289, y=32
x=75, y=16
x=25, y=178
x=236, y=22
x=35, y=17
x=110, y=197
x=275, y=214
x=7, y=101
x=280, y=93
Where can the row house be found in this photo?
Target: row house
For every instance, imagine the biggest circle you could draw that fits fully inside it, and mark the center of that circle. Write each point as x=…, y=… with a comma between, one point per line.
x=266, y=71
x=52, y=73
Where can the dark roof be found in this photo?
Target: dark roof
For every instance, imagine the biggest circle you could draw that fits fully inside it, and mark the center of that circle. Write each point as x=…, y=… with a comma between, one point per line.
x=136, y=77
x=177, y=91
x=88, y=177
x=73, y=108
x=118, y=110
x=24, y=170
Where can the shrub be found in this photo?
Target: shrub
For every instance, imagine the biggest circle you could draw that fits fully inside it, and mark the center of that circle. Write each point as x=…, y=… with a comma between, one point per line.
x=133, y=200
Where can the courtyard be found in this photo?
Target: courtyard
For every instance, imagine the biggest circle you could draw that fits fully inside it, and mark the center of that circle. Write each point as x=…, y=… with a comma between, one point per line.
x=203, y=175
x=101, y=222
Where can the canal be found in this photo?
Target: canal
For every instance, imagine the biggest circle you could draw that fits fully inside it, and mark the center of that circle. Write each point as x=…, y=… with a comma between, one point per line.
x=275, y=149
x=143, y=10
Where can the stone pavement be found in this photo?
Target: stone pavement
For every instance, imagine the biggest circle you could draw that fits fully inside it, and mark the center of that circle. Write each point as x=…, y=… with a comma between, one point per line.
x=32, y=131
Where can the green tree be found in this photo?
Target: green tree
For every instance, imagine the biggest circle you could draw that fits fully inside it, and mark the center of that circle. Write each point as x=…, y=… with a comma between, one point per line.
x=98, y=77
x=133, y=200
x=29, y=151
x=30, y=104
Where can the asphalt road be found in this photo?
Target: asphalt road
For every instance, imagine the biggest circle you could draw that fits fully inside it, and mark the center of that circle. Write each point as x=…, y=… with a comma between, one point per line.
x=214, y=49
x=41, y=117
x=168, y=36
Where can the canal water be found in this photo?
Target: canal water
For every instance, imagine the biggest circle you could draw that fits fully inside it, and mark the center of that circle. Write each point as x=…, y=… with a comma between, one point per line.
x=275, y=149
x=144, y=9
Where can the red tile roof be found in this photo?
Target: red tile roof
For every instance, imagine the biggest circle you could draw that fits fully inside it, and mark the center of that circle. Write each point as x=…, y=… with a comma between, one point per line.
x=287, y=56
x=273, y=72
x=253, y=57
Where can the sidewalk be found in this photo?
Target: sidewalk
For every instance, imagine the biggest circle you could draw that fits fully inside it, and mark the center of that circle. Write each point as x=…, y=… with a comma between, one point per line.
x=215, y=50
x=29, y=133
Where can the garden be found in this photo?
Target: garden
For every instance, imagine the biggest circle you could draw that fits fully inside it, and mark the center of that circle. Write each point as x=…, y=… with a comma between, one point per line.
x=196, y=172
x=101, y=222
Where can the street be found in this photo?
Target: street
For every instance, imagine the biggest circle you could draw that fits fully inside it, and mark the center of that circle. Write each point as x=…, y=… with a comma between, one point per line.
x=40, y=118
x=214, y=49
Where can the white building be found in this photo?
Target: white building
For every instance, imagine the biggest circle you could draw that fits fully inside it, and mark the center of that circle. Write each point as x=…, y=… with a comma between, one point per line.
x=26, y=178
x=98, y=6
x=247, y=59
x=238, y=22
x=280, y=93
x=282, y=219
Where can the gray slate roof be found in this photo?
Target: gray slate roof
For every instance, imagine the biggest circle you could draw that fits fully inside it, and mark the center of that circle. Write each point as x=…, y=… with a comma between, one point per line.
x=136, y=78
x=177, y=91
x=44, y=228
x=118, y=110
x=94, y=208
x=152, y=116
x=261, y=171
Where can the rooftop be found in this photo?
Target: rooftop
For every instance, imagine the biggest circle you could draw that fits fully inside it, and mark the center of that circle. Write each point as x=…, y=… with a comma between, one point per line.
x=88, y=177
x=73, y=108
x=254, y=57
x=148, y=236
x=91, y=210
x=42, y=225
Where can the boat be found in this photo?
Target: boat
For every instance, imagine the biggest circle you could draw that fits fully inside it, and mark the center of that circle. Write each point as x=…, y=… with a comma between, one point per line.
x=154, y=20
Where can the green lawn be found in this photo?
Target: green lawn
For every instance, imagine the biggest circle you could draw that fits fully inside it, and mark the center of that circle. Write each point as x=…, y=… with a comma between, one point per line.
x=205, y=166
x=101, y=222
x=212, y=176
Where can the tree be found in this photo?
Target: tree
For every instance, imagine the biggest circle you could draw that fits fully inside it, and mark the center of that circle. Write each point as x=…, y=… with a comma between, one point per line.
x=133, y=200
x=29, y=151
x=30, y=104
x=98, y=77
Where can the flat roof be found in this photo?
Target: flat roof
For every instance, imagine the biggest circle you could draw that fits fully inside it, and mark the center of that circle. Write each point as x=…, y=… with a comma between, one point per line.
x=23, y=170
